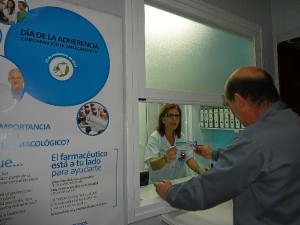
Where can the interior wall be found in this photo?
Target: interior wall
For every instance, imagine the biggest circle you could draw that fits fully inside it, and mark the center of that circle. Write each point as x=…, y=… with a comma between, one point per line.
x=285, y=16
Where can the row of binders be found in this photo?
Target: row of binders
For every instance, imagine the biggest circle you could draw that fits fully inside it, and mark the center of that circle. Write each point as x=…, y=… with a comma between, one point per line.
x=218, y=117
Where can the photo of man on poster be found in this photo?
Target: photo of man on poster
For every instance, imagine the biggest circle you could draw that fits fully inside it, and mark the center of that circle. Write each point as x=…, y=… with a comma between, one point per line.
x=16, y=81
x=11, y=88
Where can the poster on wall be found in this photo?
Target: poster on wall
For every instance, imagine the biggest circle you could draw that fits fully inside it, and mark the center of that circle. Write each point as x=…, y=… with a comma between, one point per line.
x=60, y=115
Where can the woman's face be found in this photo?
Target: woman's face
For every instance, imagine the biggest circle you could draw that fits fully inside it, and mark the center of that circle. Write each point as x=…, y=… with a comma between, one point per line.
x=171, y=120
x=10, y=4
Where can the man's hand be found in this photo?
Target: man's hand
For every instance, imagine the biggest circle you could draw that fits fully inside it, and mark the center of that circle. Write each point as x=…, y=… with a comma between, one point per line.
x=162, y=187
x=204, y=150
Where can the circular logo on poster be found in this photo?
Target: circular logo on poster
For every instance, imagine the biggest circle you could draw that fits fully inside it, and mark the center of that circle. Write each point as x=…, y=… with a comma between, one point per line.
x=61, y=68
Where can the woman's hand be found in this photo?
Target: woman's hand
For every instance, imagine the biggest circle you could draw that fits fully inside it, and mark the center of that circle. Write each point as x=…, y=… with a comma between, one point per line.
x=170, y=154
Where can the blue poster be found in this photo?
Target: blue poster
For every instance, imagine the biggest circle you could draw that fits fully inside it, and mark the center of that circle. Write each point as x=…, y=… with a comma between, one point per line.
x=60, y=119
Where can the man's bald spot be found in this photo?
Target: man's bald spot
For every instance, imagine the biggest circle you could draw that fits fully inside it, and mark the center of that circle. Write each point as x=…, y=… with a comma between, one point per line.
x=248, y=72
x=245, y=72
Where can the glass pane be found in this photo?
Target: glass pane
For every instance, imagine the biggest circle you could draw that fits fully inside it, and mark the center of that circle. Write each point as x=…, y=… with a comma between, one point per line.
x=191, y=128
x=185, y=55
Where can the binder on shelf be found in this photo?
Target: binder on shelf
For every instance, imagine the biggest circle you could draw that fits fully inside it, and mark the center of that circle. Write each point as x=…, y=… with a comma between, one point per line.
x=221, y=117
x=231, y=120
x=226, y=117
x=206, y=116
x=210, y=117
x=201, y=116
x=216, y=117
x=237, y=124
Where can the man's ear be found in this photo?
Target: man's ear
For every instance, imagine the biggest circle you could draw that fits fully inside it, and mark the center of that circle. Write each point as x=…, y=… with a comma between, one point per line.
x=239, y=99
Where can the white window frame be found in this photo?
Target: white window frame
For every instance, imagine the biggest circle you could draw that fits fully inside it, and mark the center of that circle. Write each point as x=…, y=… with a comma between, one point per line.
x=135, y=85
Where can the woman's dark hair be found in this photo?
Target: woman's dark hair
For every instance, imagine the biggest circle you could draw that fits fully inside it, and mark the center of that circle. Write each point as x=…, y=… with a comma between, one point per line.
x=11, y=10
x=161, y=126
x=257, y=89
